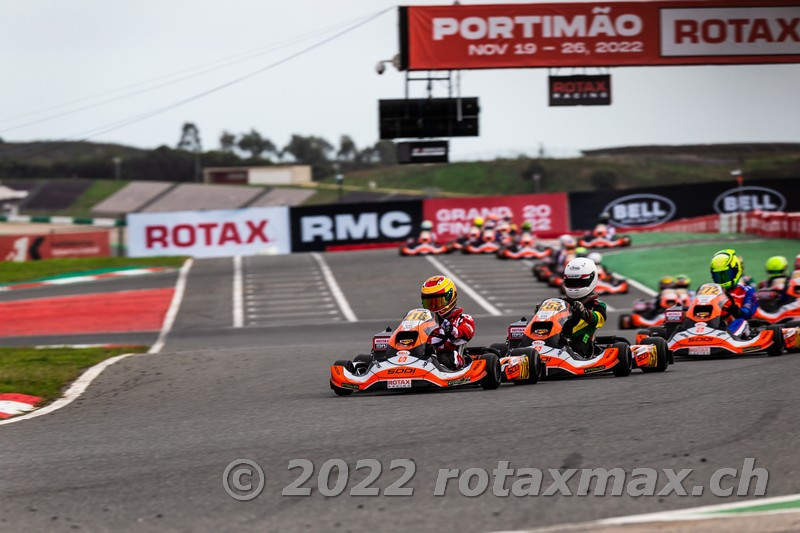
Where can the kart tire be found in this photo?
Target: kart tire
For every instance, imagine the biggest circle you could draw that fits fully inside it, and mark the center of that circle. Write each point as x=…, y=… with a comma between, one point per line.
x=493, y=374
x=363, y=358
x=501, y=347
x=534, y=364
x=662, y=354
x=776, y=348
x=625, y=321
x=625, y=365
x=348, y=365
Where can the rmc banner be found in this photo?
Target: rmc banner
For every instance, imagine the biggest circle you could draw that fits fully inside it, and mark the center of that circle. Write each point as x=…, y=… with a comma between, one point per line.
x=599, y=34
x=215, y=233
x=352, y=226
x=645, y=208
x=452, y=217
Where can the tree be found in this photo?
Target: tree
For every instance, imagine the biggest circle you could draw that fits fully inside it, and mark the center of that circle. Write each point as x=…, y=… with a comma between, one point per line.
x=604, y=180
x=254, y=143
x=347, y=149
x=227, y=141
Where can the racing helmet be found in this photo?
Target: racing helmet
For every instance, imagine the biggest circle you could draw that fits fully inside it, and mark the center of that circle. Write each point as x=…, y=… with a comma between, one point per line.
x=776, y=266
x=580, y=278
x=439, y=295
x=526, y=226
x=600, y=231
x=568, y=242
x=596, y=257
x=726, y=269
x=682, y=281
x=581, y=251
x=668, y=298
x=604, y=218
x=797, y=262
x=666, y=282
x=477, y=221
x=426, y=225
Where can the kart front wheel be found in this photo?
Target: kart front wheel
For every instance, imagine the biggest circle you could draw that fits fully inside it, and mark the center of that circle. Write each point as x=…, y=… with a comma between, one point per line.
x=624, y=364
x=662, y=354
x=492, y=378
x=776, y=348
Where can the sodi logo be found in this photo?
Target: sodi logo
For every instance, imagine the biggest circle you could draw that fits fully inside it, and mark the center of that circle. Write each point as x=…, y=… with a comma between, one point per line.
x=749, y=198
x=640, y=210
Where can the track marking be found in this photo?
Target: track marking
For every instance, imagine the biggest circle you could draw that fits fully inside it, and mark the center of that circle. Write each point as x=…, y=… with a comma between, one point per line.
x=337, y=293
x=172, y=312
x=489, y=308
x=80, y=385
x=238, y=298
x=644, y=288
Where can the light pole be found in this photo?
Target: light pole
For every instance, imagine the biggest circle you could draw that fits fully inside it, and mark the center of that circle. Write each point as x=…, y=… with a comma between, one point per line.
x=117, y=167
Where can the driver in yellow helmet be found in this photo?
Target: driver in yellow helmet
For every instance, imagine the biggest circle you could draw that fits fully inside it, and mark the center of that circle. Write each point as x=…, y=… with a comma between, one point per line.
x=726, y=271
x=777, y=279
x=456, y=328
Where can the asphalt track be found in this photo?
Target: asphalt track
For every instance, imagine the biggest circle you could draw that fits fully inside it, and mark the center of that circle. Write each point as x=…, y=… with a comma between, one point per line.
x=145, y=447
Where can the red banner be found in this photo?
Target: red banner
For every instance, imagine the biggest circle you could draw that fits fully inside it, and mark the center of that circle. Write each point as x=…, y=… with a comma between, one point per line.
x=452, y=217
x=54, y=246
x=599, y=34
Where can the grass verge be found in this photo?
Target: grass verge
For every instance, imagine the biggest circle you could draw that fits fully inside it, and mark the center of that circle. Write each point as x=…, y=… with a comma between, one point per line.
x=46, y=372
x=648, y=265
x=33, y=270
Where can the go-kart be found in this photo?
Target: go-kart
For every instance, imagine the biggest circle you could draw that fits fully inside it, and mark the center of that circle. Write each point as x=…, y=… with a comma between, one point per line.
x=590, y=241
x=544, y=271
x=644, y=314
x=413, y=247
x=611, y=285
x=770, y=307
x=542, y=336
x=483, y=246
x=403, y=360
x=526, y=249
x=701, y=329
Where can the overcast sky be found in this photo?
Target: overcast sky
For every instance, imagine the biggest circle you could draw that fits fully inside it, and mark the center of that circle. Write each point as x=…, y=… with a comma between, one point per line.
x=57, y=51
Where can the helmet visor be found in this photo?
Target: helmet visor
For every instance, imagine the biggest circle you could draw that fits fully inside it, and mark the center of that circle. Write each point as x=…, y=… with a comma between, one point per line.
x=580, y=282
x=435, y=302
x=725, y=277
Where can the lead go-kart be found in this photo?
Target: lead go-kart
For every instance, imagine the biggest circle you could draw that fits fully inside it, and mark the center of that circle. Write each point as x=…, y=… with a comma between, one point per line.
x=403, y=360
x=541, y=339
x=592, y=242
x=701, y=329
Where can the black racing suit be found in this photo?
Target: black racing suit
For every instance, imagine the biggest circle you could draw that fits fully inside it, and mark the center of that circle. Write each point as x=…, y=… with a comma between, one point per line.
x=583, y=323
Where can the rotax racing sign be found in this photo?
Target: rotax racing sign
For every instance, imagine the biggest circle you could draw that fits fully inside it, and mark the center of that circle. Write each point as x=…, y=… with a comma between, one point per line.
x=215, y=233
x=599, y=34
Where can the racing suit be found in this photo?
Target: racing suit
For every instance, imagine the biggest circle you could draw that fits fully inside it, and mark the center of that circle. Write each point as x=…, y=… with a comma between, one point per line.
x=587, y=316
x=742, y=307
x=454, y=331
x=777, y=284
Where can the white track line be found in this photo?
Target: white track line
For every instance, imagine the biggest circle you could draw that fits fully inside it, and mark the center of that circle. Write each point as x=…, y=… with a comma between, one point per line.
x=238, y=297
x=464, y=286
x=172, y=312
x=337, y=293
x=644, y=288
x=80, y=385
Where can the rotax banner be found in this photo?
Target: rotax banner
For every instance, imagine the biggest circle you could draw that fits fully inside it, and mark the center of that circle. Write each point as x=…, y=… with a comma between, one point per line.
x=452, y=217
x=215, y=233
x=599, y=34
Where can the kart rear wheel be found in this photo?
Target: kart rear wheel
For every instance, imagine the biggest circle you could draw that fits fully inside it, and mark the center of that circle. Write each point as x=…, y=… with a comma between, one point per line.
x=492, y=378
x=662, y=354
x=348, y=365
x=534, y=364
x=625, y=365
x=776, y=348
x=501, y=347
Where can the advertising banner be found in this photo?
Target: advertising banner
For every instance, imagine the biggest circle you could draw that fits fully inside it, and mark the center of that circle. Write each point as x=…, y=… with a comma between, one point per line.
x=215, y=233
x=452, y=217
x=599, y=34
x=580, y=90
x=343, y=226
x=643, y=208
x=423, y=152
x=54, y=246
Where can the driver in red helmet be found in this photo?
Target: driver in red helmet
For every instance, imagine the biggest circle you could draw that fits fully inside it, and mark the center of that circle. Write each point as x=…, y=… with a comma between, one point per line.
x=456, y=328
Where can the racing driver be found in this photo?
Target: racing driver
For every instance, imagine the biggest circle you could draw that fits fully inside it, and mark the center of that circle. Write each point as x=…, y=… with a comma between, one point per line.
x=727, y=270
x=456, y=328
x=588, y=313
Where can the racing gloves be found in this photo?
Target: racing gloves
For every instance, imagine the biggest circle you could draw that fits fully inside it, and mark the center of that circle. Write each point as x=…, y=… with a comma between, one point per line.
x=448, y=330
x=579, y=311
x=733, y=310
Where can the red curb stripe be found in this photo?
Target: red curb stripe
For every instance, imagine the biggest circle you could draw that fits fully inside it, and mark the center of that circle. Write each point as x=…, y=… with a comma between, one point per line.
x=21, y=398
x=111, y=312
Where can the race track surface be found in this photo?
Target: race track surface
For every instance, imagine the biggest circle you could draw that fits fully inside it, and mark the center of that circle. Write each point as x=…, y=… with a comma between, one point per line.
x=145, y=447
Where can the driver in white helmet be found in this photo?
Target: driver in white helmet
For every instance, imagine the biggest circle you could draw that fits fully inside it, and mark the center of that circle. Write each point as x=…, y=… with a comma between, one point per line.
x=588, y=313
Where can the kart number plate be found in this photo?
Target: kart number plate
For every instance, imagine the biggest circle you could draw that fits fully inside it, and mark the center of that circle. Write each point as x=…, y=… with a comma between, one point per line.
x=700, y=350
x=398, y=384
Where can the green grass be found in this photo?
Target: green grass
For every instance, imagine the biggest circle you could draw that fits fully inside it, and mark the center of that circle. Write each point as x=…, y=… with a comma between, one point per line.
x=33, y=270
x=46, y=372
x=648, y=265
x=98, y=191
x=663, y=237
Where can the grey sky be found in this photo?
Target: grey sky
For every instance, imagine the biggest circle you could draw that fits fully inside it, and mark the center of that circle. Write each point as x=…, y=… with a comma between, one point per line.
x=55, y=51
